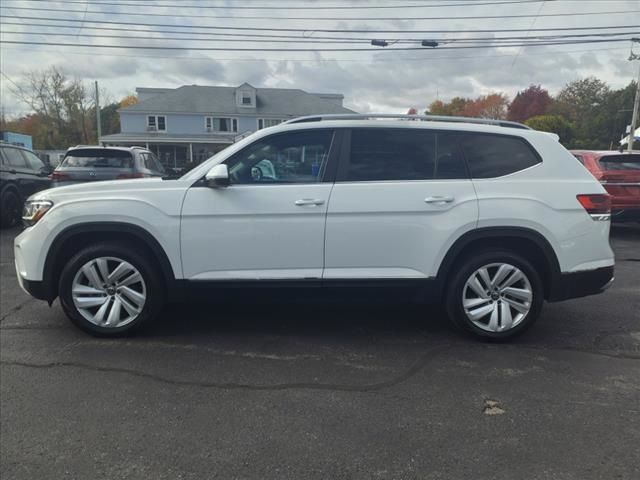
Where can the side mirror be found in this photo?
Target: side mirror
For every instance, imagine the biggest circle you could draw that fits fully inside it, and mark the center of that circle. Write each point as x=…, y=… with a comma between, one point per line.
x=45, y=171
x=218, y=176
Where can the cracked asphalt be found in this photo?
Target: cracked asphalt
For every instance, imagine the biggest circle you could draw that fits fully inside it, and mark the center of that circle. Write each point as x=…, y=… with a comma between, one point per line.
x=323, y=391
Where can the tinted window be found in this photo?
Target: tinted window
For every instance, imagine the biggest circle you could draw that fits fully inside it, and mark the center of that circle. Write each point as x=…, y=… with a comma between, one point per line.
x=402, y=154
x=579, y=158
x=14, y=158
x=297, y=157
x=620, y=162
x=491, y=156
x=97, y=158
x=34, y=161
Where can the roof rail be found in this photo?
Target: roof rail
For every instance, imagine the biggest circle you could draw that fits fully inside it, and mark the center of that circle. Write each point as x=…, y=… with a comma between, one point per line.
x=432, y=118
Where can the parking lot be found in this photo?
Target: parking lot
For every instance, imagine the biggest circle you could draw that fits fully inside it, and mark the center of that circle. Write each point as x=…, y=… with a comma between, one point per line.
x=331, y=391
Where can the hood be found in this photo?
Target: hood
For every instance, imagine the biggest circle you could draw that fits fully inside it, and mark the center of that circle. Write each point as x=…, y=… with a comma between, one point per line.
x=108, y=188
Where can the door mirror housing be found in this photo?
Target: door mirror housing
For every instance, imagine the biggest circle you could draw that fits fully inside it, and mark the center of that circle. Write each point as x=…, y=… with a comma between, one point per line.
x=218, y=176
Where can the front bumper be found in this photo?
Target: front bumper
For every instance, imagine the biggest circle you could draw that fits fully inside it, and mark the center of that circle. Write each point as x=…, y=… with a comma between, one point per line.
x=581, y=284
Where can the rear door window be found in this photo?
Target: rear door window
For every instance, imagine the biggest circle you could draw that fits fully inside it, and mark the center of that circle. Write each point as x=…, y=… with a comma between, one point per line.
x=620, y=162
x=490, y=156
x=98, y=158
x=379, y=154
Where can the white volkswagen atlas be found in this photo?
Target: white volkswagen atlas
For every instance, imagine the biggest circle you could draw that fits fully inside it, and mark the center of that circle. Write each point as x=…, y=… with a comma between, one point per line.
x=489, y=217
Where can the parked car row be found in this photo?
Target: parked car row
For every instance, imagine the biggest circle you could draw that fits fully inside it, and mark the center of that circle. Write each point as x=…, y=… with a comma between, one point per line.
x=23, y=173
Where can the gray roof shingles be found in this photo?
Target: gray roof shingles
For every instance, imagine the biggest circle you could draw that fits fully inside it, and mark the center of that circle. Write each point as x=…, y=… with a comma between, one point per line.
x=270, y=101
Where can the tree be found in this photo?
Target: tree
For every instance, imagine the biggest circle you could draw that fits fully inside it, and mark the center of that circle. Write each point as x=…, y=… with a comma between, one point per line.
x=493, y=105
x=453, y=108
x=531, y=102
x=128, y=101
x=554, y=124
x=64, y=108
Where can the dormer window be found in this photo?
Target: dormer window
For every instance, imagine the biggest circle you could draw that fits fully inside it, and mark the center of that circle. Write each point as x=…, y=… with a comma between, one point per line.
x=245, y=96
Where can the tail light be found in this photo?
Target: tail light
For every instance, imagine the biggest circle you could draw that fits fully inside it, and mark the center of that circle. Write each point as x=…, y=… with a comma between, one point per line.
x=131, y=175
x=59, y=176
x=597, y=205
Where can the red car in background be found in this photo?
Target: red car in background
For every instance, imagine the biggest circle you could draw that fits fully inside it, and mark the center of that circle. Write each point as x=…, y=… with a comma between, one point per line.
x=619, y=173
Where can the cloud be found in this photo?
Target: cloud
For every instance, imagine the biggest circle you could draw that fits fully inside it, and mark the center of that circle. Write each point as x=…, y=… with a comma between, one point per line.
x=386, y=81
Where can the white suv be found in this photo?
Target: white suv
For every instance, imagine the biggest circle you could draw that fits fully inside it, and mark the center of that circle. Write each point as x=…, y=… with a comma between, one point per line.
x=490, y=217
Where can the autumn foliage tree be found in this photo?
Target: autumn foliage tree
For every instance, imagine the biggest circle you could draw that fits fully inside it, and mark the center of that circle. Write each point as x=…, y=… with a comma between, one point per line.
x=493, y=105
x=531, y=102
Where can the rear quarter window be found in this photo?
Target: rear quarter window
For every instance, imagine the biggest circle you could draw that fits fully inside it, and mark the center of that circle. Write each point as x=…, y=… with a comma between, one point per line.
x=491, y=156
x=620, y=162
x=97, y=158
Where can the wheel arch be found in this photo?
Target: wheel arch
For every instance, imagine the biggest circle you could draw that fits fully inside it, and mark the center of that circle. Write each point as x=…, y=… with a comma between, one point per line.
x=68, y=240
x=527, y=242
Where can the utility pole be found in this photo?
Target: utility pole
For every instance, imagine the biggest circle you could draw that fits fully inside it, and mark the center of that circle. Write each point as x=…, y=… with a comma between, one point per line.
x=99, y=121
x=634, y=118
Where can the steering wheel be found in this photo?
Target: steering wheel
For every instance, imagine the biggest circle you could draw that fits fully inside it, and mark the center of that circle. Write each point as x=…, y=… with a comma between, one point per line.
x=256, y=174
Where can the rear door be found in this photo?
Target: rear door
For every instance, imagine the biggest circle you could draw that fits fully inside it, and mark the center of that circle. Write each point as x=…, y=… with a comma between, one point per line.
x=401, y=197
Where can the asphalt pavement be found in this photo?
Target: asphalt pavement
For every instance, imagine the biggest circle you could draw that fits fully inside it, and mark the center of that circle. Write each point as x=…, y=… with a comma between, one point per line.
x=323, y=391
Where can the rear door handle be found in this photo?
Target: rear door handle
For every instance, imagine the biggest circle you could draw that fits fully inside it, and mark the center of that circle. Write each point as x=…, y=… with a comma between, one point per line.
x=309, y=201
x=439, y=199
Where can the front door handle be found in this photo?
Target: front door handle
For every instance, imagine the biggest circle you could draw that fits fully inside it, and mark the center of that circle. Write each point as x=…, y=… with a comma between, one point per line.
x=439, y=199
x=309, y=201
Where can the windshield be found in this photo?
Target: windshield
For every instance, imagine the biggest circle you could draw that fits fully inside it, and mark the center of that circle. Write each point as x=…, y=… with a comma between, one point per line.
x=97, y=158
x=620, y=162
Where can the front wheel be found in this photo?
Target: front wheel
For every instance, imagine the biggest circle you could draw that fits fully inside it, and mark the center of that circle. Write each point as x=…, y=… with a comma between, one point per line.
x=495, y=295
x=109, y=289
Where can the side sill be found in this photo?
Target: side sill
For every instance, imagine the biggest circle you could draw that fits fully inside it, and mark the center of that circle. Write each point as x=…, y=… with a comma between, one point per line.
x=369, y=290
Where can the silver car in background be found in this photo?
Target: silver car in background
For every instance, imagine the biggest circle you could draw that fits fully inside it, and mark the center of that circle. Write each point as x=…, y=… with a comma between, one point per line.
x=96, y=163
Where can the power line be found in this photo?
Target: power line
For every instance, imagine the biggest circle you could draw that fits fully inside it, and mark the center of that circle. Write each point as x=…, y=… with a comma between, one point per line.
x=299, y=38
x=312, y=40
x=321, y=30
x=306, y=7
x=235, y=49
x=263, y=17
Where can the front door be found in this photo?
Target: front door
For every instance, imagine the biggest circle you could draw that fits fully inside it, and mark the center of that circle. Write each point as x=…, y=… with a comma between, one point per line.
x=269, y=223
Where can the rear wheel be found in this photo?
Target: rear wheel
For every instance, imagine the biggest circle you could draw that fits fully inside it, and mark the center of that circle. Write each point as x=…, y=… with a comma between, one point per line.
x=109, y=289
x=495, y=295
x=9, y=209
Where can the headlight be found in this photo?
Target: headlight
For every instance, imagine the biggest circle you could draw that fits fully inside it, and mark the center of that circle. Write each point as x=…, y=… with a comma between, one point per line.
x=34, y=210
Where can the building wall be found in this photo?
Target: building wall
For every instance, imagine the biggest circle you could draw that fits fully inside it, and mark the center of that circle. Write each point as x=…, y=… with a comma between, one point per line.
x=17, y=139
x=180, y=123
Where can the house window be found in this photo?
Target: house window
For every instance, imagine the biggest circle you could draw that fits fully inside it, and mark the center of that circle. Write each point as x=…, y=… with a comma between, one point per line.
x=246, y=100
x=268, y=122
x=220, y=124
x=157, y=123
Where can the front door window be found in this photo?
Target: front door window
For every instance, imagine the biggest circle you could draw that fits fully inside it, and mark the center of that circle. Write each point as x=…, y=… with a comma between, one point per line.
x=298, y=157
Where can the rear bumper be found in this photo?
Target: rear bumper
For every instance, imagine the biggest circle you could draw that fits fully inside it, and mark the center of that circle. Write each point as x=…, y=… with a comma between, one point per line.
x=581, y=284
x=625, y=214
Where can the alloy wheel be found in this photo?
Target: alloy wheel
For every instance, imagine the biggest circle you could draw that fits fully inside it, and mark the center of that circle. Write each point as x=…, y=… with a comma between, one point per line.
x=109, y=292
x=497, y=297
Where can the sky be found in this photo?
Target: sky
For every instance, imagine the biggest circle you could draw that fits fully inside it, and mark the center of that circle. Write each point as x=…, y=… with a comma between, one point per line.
x=374, y=79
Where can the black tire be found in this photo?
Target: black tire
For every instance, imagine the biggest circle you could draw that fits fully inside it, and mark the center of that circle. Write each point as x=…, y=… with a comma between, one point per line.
x=10, y=209
x=464, y=269
x=150, y=274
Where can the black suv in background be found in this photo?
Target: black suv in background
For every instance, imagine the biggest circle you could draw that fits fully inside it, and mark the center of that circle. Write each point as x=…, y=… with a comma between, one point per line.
x=22, y=174
x=94, y=163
